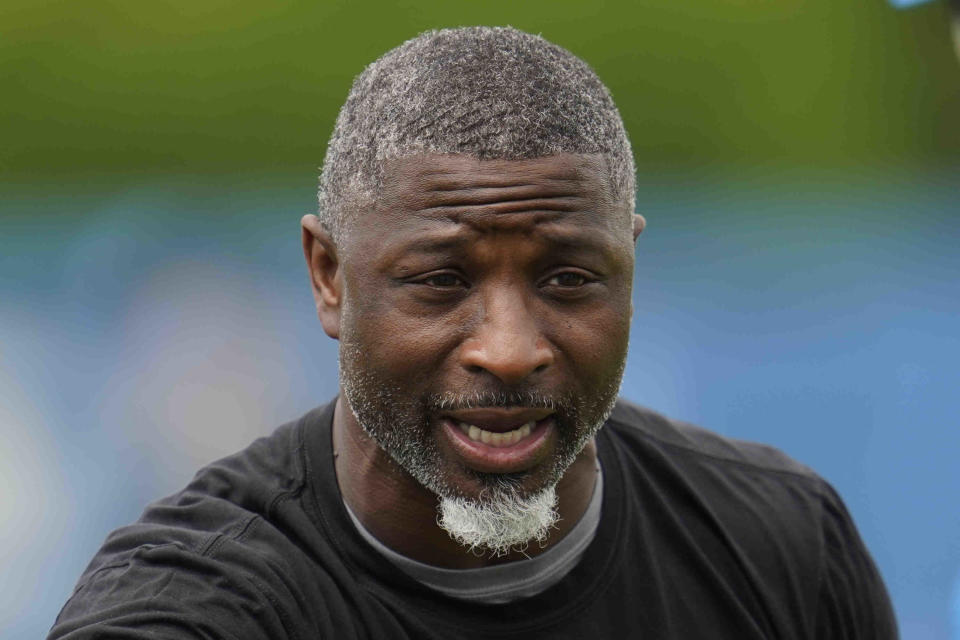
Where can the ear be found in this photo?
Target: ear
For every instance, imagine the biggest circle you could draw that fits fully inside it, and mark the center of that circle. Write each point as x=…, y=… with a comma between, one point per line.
x=639, y=224
x=326, y=277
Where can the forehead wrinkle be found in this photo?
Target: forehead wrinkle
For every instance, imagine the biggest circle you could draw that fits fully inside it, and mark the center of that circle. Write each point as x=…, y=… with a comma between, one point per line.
x=557, y=228
x=458, y=232
x=460, y=179
x=494, y=192
x=454, y=172
x=562, y=165
x=445, y=182
x=531, y=206
x=501, y=193
x=453, y=187
x=503, y=190
x=501, y=199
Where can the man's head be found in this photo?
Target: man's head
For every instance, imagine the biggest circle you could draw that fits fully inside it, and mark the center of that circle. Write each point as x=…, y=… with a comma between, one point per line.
x=475, y=261
x=485, y=92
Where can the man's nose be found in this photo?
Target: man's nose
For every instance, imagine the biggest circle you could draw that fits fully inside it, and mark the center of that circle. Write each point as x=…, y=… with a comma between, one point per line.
x=508, y=342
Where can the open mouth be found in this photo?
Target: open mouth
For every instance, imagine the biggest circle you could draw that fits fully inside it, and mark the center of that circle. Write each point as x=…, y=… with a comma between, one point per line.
x=494, y=438
x=500, y=442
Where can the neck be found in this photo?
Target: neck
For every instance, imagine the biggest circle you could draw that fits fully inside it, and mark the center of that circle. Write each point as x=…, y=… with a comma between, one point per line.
x=402, y=514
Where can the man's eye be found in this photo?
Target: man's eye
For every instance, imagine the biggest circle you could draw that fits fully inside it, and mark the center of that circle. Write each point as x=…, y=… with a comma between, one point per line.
x=442, y=281
x=568, y=279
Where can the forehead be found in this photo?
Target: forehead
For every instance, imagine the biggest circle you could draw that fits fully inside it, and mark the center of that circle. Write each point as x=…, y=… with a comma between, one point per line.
x=450, y=184
x=437, y=203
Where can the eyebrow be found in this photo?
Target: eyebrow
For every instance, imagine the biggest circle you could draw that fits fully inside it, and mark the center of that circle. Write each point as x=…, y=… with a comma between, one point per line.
x=574, y=240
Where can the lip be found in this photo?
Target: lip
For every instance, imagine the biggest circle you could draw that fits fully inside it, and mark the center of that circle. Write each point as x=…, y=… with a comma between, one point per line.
x=486, y=458
x=499, y=420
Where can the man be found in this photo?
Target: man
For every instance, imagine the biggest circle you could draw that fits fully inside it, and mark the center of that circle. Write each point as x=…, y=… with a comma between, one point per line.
x=476, y=477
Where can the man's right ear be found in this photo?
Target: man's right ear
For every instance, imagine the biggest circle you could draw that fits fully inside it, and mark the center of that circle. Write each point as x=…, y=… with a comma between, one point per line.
x=326, y=277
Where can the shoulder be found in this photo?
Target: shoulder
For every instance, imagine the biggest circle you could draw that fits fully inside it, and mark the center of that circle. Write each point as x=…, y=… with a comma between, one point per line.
x=228, y=499
x=635, y=423
x=222, y=503
x=226, y=495
x=771, y=512
x=225, y=539
x=753, y=492
x=751, y=500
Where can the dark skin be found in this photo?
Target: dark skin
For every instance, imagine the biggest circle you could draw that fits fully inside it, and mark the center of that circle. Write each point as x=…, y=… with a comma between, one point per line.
x=473, y=275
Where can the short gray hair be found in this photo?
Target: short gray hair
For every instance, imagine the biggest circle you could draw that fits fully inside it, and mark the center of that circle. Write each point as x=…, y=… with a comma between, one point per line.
x=486, y=92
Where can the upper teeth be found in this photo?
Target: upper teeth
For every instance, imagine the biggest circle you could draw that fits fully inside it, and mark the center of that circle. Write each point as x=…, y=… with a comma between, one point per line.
x=496, y=439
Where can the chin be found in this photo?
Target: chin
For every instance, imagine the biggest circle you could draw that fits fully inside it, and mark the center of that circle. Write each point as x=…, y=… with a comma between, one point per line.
x=458, y=482
x=503, y=523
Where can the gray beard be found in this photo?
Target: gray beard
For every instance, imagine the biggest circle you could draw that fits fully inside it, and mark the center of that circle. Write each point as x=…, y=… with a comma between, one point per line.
x=506, y=522
x=502, y=518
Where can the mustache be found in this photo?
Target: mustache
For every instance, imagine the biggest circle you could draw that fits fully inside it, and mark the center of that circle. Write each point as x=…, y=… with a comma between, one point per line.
x=530, y=399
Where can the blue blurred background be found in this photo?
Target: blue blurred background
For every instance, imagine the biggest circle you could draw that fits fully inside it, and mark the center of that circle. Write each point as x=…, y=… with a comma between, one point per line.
x=798, y=284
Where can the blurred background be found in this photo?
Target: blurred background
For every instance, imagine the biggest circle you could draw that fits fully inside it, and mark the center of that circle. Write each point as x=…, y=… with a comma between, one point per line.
x=799, y=282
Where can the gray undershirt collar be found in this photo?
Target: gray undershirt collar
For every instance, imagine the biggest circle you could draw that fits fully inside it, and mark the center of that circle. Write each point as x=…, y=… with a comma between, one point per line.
x=506, y=582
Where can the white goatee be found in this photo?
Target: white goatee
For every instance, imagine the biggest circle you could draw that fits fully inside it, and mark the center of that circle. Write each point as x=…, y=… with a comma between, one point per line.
x=500, y=522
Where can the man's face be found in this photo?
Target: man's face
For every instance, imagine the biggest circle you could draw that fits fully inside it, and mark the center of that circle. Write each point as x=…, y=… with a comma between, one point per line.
x=485, y=317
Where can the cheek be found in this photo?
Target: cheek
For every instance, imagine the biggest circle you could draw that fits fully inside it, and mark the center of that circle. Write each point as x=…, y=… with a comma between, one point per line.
x=403, y=345
x=593, y=341
x=599, y=337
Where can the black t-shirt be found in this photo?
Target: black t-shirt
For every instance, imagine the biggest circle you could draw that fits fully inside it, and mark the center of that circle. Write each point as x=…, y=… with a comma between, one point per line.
x=700, y=537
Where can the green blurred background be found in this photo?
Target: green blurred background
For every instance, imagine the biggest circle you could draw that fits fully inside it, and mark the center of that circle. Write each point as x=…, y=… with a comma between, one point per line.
x=799, y=282
x=134, y=88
